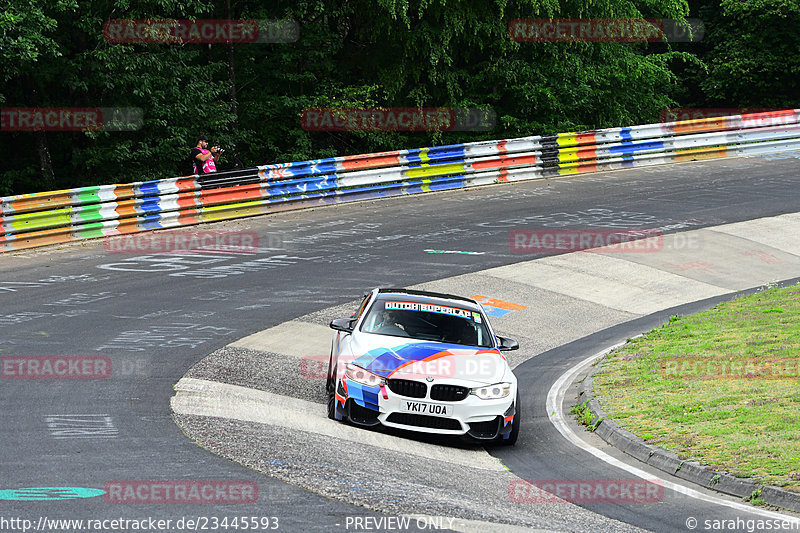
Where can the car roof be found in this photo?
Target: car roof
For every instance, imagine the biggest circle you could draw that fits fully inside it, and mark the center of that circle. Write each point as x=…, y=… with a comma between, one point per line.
x=429, y=295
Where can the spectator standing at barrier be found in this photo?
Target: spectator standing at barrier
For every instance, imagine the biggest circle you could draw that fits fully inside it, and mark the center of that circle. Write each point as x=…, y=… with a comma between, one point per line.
x=203, y=159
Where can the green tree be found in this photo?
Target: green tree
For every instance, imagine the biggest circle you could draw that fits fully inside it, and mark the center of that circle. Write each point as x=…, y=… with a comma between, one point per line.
x=752, y=49
x=180, y=90
x=361, y=53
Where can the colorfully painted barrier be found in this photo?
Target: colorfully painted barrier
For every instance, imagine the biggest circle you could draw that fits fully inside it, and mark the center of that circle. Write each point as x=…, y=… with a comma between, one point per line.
x=39, y=219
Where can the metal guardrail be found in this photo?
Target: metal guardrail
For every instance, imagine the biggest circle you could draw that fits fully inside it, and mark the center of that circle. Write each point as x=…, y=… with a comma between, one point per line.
x=39, y=219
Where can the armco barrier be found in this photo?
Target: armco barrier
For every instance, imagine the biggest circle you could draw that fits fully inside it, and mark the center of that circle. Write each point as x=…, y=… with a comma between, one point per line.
x=60, y=216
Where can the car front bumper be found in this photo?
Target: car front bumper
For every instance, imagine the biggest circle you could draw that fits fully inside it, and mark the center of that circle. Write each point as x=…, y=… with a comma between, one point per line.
x=472, y=416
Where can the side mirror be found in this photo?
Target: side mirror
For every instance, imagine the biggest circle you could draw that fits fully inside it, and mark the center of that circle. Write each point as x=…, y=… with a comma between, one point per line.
x=506, y=344
x=343, y=324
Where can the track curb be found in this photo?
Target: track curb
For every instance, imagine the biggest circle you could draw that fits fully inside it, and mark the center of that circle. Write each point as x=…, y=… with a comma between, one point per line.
x=671, y=463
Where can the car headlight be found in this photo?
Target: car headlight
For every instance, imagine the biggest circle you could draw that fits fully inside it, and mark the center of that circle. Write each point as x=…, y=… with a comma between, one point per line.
x=365, y=377
x=492, y=392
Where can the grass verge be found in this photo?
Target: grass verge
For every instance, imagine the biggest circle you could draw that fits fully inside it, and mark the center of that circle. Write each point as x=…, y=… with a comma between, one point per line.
x=719, y=387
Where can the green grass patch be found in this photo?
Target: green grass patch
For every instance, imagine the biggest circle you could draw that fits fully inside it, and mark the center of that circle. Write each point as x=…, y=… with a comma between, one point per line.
x=720, y=387
x=585, y=416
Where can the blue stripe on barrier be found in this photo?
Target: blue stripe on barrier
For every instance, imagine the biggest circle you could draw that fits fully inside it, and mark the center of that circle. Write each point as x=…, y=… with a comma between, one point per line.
x=149, y=188
x=625, y=133
x=300, y=186
x=150, y=222
x=150, y=205
x=436, y=185
x=437, y=156
x=455, y=149
x=322, y=168
x=631, y=148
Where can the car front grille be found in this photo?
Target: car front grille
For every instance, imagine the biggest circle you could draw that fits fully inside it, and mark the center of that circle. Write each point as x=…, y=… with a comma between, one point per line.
x=407, y=387
x=424, y=421
x=449, y=393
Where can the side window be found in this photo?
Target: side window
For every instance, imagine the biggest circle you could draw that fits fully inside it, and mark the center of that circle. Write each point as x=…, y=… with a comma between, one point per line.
x=362, y=307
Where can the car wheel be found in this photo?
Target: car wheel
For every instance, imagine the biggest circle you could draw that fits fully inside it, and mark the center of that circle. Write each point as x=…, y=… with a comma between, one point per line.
x=331, y=405
x=512, y=437
x=329, y=381
x=330, y=388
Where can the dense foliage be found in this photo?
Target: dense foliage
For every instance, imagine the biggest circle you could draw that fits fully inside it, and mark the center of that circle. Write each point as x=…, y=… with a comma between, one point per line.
x=363, y=53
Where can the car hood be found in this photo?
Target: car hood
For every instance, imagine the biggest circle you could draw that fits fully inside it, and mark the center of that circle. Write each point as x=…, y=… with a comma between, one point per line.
x=414, y=359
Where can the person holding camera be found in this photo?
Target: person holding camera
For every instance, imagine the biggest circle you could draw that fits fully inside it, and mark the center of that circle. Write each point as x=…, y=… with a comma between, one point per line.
x=203, y=159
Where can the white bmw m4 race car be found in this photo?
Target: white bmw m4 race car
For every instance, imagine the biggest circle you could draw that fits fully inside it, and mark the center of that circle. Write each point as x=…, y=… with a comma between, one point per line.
x=424, y=362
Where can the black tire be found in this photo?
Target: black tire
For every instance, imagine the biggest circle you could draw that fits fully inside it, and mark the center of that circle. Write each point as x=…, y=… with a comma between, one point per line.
x=512, y=437
x=330, y=388
x=329, y=381
x=331, y=405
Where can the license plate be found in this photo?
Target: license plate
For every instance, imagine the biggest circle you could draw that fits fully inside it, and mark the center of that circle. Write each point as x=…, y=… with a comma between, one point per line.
x=426, y=408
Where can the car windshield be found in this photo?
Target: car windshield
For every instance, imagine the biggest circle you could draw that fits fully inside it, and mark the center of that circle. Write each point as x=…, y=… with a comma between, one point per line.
x=399, y=317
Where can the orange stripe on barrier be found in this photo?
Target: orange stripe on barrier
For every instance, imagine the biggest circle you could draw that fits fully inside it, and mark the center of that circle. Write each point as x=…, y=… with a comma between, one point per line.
x=186, y=184
x=35, y=201
x=226, y=195
x=700, y=125
x=770, y=118
x=189, y=217
x=697, y=154
x=123, y=192
x=42, y=238
x=128, y=225
x=126, y=208
x=379, y=160
x=504, y=161
x=187, y=200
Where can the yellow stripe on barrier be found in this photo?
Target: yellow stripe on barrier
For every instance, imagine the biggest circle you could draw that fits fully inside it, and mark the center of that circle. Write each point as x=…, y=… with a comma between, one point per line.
x=568, y=155
x=434, y=170
x=45, y=219
x=567, y=139
x=698, y=154
x=221, y=212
